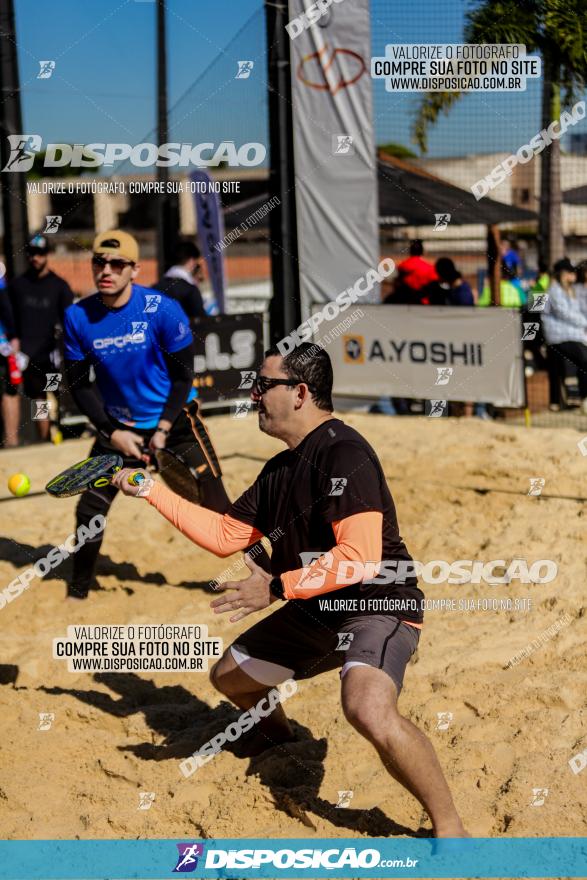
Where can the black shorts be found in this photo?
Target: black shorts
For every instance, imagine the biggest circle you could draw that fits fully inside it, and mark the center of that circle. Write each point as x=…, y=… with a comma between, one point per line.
x=35, y=379
x=6, y=386
x=301, y=646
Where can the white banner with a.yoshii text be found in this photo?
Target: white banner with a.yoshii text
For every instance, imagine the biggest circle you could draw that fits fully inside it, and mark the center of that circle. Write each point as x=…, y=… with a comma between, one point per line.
x=429, y=353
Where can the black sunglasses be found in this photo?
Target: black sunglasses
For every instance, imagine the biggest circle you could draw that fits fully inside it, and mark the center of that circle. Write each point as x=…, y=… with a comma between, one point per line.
x=264, y=383
x=115, y=264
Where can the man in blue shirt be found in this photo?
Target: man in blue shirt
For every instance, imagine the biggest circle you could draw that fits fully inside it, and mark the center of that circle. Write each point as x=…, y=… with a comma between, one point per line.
x=139, y=344
x=510, y=257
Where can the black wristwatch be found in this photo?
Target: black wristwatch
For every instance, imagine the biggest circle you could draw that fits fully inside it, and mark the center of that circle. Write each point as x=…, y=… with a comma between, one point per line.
x=106, y=432
x=276, y=588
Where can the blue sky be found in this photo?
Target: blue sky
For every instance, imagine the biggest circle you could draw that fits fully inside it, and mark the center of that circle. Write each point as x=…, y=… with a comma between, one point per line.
x=103, y=87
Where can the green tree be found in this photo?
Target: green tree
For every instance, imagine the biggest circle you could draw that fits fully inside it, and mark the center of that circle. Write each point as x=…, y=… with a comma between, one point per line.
x=557, y=29
x=398, y=151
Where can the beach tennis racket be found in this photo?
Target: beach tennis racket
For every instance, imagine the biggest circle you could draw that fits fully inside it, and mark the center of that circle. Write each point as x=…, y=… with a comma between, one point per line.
x=188, y=465
x=181, y=477
x=91, y=473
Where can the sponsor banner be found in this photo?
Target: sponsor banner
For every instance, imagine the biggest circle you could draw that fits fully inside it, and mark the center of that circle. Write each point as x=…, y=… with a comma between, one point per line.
x=313, y=858
x=333, y=142
x=431, y=353
x=210, y=231
x=227, y=351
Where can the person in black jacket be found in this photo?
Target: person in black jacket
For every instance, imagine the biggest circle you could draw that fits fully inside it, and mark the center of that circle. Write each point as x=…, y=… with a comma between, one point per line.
x=179, y=281
x=8, y=388
x=38, y=299
x=450, y=289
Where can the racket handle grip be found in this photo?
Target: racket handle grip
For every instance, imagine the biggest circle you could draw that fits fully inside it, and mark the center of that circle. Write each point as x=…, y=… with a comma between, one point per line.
x=136, y=479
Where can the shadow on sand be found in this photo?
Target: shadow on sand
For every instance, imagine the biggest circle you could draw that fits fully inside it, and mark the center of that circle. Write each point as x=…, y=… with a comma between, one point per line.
x=292, y=772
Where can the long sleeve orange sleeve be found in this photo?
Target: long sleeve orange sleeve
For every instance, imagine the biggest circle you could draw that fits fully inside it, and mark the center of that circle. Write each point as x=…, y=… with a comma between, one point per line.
x=358, y=542
x=220, y=534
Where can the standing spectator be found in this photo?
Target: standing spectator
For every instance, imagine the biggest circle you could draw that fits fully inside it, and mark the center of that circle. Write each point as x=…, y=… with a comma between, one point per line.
x=450, y=289
x=414, y=274
x=511, y=258
x=513, y=266
x=39, y=299
x=542, y=280
x=8, y=387
x=511, y=296
x=565, y=330
x=536, y=360
x=179, y=282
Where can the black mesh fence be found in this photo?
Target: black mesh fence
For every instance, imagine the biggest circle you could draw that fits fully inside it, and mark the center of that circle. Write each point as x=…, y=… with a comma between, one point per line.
x=463, y=145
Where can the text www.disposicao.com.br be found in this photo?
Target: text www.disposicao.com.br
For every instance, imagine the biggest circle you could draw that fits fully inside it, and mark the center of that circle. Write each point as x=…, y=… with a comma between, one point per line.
x=134, y=664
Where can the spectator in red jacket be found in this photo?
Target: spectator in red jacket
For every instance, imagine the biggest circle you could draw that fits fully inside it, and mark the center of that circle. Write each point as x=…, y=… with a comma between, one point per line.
x=416, y=272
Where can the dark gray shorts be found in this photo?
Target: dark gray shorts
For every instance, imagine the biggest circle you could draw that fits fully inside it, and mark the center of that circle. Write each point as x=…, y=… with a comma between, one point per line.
x=292, y=644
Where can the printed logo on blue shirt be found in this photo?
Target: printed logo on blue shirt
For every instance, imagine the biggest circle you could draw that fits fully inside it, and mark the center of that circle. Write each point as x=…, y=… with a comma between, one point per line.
x=119, y=341
x=182, y=331
x=128, y=350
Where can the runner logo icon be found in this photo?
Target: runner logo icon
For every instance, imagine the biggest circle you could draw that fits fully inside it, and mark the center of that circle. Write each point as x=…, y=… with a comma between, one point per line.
x=187, y=860
x=152, y=302
x=23, y=148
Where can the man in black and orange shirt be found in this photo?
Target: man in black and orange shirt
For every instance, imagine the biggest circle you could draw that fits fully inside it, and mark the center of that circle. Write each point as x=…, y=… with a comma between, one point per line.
x=326, y=498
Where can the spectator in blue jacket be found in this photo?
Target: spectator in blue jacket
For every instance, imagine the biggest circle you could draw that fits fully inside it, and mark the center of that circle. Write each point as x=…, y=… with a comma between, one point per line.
x=450, y=289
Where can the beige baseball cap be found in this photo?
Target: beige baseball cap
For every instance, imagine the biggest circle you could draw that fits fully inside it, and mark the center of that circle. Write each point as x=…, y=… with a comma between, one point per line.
x=117, y=243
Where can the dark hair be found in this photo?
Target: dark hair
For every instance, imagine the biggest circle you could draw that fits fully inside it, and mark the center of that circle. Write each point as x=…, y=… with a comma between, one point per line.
x=186, y=250
x=582, y=272
x=309, y=363
x=508, y=272
x=446, y=270
x=416, y=248
x=563, y=265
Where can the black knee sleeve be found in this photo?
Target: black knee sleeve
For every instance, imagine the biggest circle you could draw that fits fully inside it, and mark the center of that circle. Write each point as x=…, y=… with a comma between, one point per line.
x=92, y=503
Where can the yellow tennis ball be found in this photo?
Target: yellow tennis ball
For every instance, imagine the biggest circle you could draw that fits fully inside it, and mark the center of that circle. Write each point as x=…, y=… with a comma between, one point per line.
x=57, y=438
x=19, y=485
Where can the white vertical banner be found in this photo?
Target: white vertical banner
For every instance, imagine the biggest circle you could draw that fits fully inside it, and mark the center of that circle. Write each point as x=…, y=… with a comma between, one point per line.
x=334, y=149
x=210, y=231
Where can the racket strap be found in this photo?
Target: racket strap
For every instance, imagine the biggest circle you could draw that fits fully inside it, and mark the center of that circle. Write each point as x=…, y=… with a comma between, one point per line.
x=203, y=439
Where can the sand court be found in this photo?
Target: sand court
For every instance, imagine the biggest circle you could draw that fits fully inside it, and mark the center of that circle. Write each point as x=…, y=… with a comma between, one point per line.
x=498, y=682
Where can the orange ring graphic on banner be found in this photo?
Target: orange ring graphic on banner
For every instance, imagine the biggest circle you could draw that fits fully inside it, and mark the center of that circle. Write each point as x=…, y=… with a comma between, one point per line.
x=343, y=84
